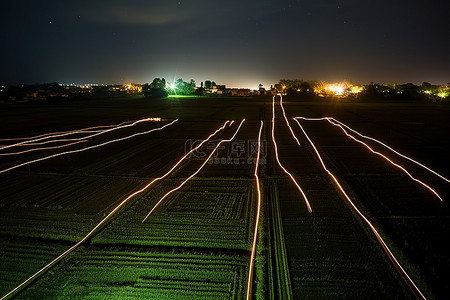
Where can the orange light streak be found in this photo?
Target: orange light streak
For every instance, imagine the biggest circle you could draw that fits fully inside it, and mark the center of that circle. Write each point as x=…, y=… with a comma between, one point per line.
x=331, y=121
x=71, y=249
x=83, y=130
x=255, y=234
x=278, y=159
x=46, y=142
x=386, y=158
x=391, y=256
x=87, y=148
x=287, y=122
x=195, y=173
x=78, y=131
x=391, y=149
x=43, y=148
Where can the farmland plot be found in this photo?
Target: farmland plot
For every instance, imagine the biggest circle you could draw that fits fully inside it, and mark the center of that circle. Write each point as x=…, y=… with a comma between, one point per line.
x=204, y=213
x=329, y=253
x=56, y=207
x=411, y=215
x=19, y=259
x=144, y=273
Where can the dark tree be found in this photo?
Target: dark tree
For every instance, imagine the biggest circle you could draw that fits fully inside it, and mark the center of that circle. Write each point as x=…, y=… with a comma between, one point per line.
x=158, y=83
x=156, y=89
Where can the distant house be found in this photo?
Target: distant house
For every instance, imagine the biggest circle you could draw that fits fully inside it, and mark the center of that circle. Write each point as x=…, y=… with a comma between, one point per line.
x=240, y=92
x=219, y=89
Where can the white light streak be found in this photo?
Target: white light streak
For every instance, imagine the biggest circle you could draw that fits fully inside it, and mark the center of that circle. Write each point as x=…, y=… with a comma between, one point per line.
x=116, y=127
x=391, y=256
x=255, y=234
x=287, y=122
x=71, y=249
x=87, y=148
x=43, y=148
x=338, y=124
x=50, y=141
x=195, y=173
x=391, y=149
x=386, y=158
x=278, y=159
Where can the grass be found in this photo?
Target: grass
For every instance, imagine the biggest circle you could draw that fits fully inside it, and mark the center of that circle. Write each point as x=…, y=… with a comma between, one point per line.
x=94, y=274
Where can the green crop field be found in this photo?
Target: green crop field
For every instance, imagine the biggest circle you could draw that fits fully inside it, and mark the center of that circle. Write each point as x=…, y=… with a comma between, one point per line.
x=144, y=273
x=205, y=213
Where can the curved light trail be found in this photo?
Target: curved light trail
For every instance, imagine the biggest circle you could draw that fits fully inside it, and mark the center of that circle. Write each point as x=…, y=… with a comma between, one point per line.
x=87, y=129
x=278, y=159
x=87, y=148
x=331, y=121
x=391, y=149
x=196, y=172
x=286, y=119
x=43, y=148
x=255, y=234
x=386, y=158
x=71, y=249
x=379, y=142
x=81, y=131
x=391, y=256
x=46, y=142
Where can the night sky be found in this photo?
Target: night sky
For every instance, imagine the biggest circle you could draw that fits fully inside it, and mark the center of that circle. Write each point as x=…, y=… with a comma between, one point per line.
x=237, y=43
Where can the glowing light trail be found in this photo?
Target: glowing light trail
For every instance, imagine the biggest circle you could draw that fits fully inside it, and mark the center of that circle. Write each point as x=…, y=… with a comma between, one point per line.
x=331, y=121
x=389, y=148
x=71, y=249
x=81, y=131
x=391, y=256
x=287, y=122
x=255, y=234
x=195, y=173
x=46, y=142
x=278, y=159
x=43, y=148
x=87, y=148
x=386, y=158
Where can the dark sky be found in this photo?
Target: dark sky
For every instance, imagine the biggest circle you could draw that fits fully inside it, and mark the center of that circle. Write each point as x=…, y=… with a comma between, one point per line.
x=237, y=43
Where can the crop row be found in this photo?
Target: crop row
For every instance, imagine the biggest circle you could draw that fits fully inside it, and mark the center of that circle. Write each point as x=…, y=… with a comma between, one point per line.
x=329, y=251
x=198, y=215
x=95, y=273
x=19, y=260
x=88, y=195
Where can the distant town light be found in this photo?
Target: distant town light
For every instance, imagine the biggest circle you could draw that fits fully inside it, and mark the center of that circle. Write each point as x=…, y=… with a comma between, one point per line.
x=172, y=86
x=336, y=89
x=356, y=89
